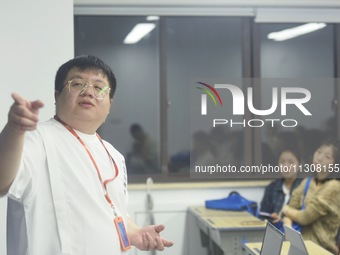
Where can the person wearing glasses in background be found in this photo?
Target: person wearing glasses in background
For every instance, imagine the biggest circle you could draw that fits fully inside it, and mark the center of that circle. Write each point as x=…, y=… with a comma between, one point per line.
x=66, y=187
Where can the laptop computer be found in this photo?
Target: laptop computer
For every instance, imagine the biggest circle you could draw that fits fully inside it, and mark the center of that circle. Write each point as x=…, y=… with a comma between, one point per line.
x=297, y=244
x=272, y=241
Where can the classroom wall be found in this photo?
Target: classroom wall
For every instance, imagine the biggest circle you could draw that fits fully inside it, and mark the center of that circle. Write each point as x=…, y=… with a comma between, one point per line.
x=36, y=37
x=170, y=207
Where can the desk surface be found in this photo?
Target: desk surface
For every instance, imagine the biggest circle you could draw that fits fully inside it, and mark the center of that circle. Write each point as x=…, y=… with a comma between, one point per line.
x=235, y=222
x=227, y=220
x=202, y=211
x=312, y=248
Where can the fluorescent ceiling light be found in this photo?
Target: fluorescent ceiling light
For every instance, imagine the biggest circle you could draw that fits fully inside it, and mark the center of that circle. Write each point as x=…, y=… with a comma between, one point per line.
x=295, y=31
x=138, y=32
x=151, y=18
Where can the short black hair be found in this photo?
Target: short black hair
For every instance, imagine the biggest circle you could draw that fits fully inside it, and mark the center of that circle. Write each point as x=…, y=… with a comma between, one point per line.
x=136, y=128
x=84, y=62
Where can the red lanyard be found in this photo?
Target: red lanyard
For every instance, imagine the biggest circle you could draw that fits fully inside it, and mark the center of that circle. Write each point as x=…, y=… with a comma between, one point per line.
x=105, y=182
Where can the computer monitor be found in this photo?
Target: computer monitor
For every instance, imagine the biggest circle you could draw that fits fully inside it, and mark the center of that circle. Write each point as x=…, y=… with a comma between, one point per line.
x=272, y=241
x=297, y=244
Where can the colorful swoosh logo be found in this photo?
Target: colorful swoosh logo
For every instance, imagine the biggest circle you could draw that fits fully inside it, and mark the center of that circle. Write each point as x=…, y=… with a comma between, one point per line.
x=211, y=91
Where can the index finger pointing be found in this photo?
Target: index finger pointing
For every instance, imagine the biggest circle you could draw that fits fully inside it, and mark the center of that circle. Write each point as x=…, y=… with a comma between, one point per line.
x=19, y=100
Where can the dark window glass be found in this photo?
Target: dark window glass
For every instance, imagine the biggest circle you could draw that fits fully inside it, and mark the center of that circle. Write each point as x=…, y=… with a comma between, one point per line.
x=305, y=61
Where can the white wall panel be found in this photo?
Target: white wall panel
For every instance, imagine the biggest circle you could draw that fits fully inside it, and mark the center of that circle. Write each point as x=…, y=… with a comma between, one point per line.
x=36, y=37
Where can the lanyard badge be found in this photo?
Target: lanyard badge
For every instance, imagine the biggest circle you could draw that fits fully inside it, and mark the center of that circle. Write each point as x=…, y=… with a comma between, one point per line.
x=121, y=230
x=120, y=226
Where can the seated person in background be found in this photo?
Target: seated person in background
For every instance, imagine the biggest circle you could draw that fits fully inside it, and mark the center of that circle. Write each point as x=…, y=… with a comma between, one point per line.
x=320, y=219
x=143, y=157
x=279, y=191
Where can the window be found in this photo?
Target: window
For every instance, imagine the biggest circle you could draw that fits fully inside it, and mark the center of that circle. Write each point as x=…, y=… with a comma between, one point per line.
x=305, y=61
x=133, y=125
x=199, y=49
x=151, y=121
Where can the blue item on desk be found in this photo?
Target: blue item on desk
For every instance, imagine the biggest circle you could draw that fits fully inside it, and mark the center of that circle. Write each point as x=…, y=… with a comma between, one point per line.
x=234, y=202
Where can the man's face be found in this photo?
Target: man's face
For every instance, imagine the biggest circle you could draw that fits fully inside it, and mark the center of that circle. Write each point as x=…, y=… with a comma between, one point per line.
x=83, y=107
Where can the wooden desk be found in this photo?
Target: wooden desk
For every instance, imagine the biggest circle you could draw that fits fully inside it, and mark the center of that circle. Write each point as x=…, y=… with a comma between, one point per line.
x=312, y=248
x=228, y=230
x=202, y=211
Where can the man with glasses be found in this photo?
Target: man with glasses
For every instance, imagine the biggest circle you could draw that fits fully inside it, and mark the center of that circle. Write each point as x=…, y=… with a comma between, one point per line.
x=67, y=188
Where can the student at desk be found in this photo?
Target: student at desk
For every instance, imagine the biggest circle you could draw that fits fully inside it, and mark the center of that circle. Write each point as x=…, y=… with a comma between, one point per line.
x=320, y=219
x=279, y=191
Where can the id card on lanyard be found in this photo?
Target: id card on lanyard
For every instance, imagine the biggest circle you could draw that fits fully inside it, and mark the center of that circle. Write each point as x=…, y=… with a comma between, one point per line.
x=118, y=221
x=123, y=238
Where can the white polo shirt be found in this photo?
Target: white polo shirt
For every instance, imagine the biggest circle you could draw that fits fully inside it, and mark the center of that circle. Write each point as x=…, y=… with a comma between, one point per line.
x=56, y=203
